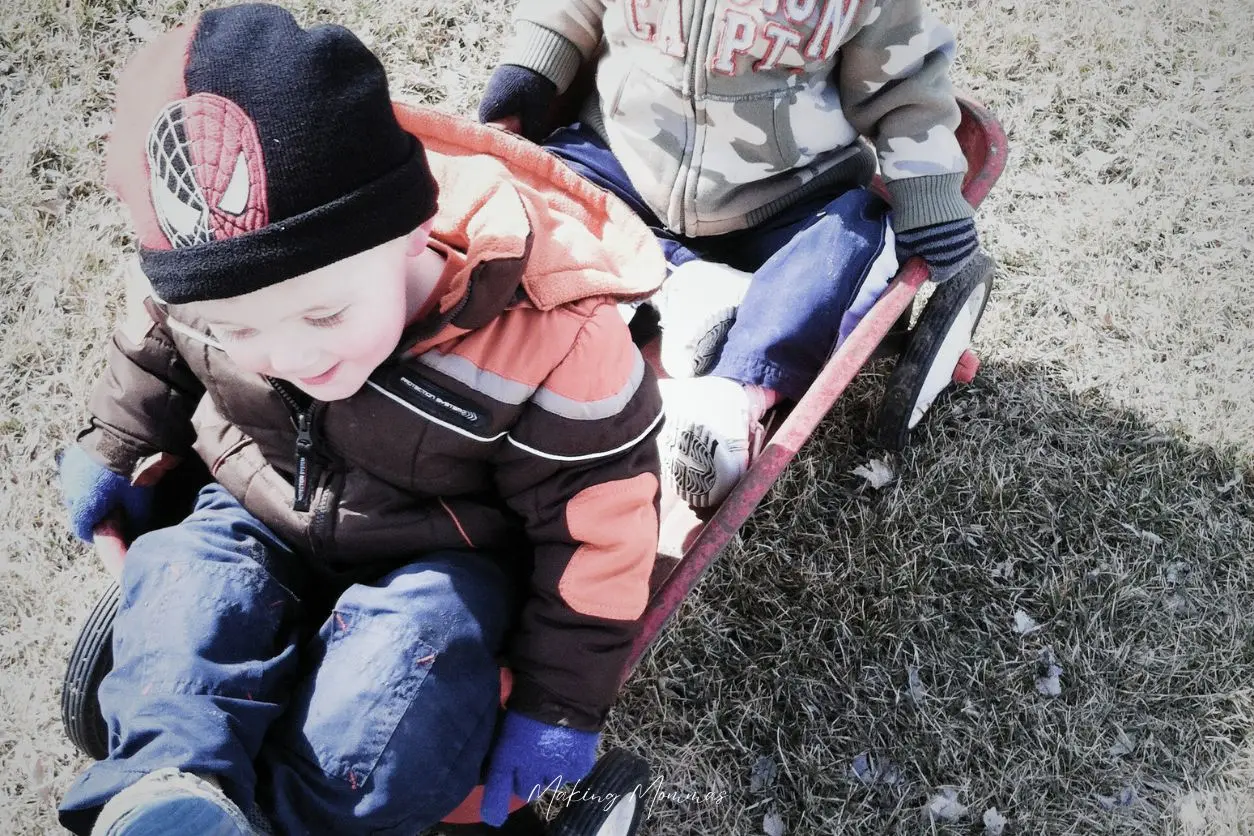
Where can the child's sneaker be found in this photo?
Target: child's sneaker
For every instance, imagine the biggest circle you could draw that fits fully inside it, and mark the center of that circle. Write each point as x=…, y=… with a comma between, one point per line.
x=170, y=801
x=697, y=306
x=712, y=431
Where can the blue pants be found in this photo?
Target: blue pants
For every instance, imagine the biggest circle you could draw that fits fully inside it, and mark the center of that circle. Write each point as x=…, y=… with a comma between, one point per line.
x=378, y=723
x=817, y=266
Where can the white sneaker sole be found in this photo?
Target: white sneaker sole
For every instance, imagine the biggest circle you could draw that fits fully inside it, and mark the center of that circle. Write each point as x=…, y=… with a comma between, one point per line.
x=692, y=471
x=696, y=354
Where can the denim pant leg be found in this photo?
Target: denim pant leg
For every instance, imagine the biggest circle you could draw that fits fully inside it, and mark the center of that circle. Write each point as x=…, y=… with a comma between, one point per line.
x=393, y=718
x=204, y=650
x=814, y=265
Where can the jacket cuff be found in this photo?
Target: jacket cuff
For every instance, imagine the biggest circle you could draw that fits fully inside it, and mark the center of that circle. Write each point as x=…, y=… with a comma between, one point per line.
x=544, y=51
x=923, y=201
x=526, y=696
x=124, y=456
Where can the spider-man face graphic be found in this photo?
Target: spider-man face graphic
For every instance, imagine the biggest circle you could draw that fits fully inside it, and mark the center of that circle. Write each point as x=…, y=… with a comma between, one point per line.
x=207, y=173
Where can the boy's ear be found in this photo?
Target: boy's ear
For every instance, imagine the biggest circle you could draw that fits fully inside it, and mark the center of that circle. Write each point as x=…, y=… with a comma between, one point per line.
x=418, y=238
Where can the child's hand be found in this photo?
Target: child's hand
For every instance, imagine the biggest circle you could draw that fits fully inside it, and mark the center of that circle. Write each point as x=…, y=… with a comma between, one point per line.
x=529, y=756
x=520, y=94
x=93, y=492
x=946, y=246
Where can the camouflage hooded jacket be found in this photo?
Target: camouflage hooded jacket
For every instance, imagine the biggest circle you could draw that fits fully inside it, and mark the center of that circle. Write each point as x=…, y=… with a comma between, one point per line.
x=723, y=112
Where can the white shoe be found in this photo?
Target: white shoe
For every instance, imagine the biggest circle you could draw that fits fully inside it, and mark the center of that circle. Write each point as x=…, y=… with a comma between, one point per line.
x=708, y=439
x=696, y=308
x=169, y=801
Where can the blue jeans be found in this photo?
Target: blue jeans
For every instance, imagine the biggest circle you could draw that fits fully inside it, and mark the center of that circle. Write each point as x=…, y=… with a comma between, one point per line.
x=817, y=266
x=377, y=723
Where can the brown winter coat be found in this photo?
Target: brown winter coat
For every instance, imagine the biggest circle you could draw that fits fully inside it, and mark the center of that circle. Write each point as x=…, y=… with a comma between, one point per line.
x=518, y=412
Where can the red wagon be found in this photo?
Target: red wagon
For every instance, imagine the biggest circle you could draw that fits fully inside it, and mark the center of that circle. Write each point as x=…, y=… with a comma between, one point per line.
x=932, y=353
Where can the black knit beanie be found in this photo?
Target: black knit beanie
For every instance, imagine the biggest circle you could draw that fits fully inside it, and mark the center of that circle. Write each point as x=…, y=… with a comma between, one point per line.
x=249, y=151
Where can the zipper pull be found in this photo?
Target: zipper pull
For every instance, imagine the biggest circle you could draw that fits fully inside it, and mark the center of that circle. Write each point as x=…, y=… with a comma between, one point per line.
x=305, y=472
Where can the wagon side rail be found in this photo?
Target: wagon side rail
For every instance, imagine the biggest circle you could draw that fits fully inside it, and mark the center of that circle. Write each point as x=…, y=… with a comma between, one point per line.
x=983, y=142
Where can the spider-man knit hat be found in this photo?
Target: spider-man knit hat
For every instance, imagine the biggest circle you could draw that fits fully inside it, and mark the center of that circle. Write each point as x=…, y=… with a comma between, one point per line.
x=249, y=151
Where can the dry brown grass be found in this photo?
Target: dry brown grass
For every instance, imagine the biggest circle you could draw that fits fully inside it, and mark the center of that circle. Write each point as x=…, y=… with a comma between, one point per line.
x=1097, y=477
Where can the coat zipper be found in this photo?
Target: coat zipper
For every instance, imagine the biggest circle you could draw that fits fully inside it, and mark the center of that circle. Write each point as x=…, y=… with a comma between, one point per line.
x=695, y=58
x=305, y=417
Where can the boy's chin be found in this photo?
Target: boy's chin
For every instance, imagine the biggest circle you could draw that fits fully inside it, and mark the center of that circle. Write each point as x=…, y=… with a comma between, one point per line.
x=334, y=390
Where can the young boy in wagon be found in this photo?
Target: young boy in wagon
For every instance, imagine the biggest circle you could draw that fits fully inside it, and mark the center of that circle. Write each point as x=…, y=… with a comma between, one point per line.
x=733, y=128
x=396, y=347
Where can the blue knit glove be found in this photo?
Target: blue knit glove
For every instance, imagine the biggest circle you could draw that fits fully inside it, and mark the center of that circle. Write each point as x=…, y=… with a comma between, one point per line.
x=92, y=492
x=529, y=756
x=518, y=91
x=945, y=246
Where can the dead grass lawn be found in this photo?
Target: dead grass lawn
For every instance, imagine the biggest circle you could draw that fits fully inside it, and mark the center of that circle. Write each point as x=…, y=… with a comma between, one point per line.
x=853, y=657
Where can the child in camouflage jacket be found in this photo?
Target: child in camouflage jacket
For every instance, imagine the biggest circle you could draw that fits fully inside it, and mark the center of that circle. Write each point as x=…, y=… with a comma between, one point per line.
x=732, y=127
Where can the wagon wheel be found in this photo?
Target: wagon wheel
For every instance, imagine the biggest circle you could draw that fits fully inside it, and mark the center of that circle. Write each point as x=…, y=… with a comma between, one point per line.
x=937, y=353
x=90, y=660
x=610, y=801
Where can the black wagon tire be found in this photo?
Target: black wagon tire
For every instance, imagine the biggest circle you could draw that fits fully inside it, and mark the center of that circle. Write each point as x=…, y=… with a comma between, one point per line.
x=90, y=660
x=610, y=801
x=937, y=342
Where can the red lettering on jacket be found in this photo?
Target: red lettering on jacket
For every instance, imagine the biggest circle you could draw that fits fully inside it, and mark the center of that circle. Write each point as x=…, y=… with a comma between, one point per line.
x=737, y=37
x=631, y=11
x=674, y=42
x=799, y=11
x=833, y=24
x=781, y=38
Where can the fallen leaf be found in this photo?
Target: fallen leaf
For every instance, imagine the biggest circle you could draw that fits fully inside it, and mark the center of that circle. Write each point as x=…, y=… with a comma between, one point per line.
x=994, y=822
x=876, y=472
x=450, y=80
x=1024, y=623
x=41, y=781
x=1124, y=745
x=1190, y=816
x=1178, y=572
x=45, y=296
x=1050, y=685
x=54, y=206
x=871, y=771
x=762, y=775
x=1237, y=479
x=1096, y=160
x=1126, y=797
x=862, y=767
x=142, y=29
x=1048, y=682
x=773, y=824
x=917, y=692
x=1148, y=536
x=945, y=806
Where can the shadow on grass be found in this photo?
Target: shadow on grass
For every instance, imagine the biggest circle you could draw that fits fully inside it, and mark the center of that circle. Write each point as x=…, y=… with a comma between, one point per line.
x=850, y=622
